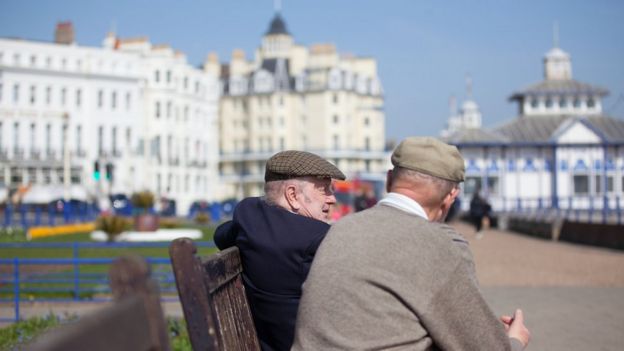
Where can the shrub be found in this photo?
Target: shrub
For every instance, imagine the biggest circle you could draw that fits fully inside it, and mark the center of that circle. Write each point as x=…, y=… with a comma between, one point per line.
x=113, y=225
x=142, y=200
x=169, y=223
x=22, y=332
x=202, y=218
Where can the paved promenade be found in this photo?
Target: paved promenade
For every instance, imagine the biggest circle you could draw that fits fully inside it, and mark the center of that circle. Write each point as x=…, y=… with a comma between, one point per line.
x=572, y=295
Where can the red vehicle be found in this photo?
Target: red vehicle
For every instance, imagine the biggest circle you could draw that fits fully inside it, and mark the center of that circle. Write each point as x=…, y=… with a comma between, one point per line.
x=353, y=196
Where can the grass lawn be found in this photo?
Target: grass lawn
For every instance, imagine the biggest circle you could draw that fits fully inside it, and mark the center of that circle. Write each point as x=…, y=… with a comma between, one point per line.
x=57, y=280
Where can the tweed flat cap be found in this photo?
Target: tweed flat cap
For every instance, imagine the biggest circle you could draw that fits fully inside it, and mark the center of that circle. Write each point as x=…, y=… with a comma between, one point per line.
x=294, y=164
x=430, y=156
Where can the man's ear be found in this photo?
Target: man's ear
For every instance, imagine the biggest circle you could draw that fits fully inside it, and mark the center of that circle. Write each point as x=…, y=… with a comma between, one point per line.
x=290, y=194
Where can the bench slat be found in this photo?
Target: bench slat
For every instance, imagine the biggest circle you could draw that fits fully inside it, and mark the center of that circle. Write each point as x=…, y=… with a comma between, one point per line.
x=213, y=298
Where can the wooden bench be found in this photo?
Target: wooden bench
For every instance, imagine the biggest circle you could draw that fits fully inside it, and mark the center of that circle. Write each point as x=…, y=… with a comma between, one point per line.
x=213, y=298
x=134, y=322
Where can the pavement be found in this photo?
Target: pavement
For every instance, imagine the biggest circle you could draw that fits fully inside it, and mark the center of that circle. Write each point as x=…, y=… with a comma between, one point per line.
x=572, y=295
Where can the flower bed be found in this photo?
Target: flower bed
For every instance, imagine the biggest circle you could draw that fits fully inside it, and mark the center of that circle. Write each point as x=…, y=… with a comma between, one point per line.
x=42, y=232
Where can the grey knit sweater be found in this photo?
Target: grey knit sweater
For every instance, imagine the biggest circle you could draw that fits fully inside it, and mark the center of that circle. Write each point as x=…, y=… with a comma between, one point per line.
x=386, y=279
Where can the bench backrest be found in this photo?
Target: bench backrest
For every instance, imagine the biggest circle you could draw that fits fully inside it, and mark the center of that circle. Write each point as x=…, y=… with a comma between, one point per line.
x=213, y=298
x=134, y=321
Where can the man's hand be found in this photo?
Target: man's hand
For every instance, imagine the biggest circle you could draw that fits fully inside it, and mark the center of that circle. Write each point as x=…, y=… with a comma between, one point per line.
x=515, y=328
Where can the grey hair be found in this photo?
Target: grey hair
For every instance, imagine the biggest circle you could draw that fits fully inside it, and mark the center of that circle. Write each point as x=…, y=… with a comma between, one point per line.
x=442, y=186
x=274, y=189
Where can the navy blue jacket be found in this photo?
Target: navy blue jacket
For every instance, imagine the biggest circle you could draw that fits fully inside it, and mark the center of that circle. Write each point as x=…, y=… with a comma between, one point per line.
x=277, y=248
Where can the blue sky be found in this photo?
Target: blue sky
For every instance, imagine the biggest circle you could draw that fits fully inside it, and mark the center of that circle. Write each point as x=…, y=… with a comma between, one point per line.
x=424, y=48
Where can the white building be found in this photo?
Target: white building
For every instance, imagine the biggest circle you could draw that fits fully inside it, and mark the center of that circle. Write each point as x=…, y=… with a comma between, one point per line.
x=102, y=103
x=469, y=116
x=560, y=152
x=295, y=97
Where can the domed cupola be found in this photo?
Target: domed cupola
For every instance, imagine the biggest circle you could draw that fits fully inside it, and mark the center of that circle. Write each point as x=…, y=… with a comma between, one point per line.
x=277, y=26
x=277, y=42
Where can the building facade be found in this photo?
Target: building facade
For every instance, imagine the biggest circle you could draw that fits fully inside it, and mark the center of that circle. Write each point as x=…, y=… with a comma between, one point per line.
x=139, y=114
x=560, y=152
x=295, y=97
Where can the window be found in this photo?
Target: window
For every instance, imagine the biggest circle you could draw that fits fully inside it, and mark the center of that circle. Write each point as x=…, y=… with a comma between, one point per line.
x=598, y=184
x=100, y=99
x=48, y=139
x=549, y=103
x=169, y=109
x=367, y=143
x=16, y=89
x=64, y=63
x=577, y=102
x=493, y=185
x=1, y=95
x=157, y=109
x=581, y=184
x=48, y=62
x=78, y=139
x=335, y=98
x=157, y=76
x=114, y=140
x=336, y=119
x=33, y=94
x=534, y=103
x=48, y=97
x=128, y=101
x=336, y=142
x=185, y=83
x=33, y=60
x=63, y=138
x=63, y=96
x=100, y=140
x=114, y=100
x=591, y=103
x=16, y=128
x=33, y=137
x=168, y=76
x=78, y=97
x=17, y=59
x=128, y=138
x=366, y=121
x=563, y=103
x=471, y=184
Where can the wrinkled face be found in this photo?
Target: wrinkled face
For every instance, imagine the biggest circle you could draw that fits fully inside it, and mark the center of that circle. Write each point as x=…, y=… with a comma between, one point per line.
x=318, y=198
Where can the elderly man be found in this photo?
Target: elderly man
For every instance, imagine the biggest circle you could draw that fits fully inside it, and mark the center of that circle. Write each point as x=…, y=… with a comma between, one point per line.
x=394, y=277
x=278, y=236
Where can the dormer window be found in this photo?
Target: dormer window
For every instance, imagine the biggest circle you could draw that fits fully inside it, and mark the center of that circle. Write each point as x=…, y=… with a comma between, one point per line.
x=534, y=103
x=591, y=103
x=549, y=103
x=577, y=102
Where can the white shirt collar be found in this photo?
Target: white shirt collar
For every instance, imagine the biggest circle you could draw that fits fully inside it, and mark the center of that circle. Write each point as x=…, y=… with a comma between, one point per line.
x=404, y=203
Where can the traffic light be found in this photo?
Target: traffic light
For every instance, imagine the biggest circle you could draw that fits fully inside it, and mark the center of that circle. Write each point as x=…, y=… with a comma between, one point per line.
x=109, y=171
x=96, y=171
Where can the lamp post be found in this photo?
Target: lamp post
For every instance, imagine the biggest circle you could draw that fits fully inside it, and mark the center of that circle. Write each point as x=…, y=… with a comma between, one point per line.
x=66, y=157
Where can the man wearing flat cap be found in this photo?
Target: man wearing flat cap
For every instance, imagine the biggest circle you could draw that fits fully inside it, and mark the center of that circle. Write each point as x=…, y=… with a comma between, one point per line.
x=278, y=235
x=395, y=277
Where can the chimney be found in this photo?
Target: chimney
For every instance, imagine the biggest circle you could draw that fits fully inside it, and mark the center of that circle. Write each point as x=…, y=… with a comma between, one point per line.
x=64, y=33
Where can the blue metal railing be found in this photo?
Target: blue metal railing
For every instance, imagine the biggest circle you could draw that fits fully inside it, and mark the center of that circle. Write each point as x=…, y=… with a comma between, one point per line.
x=30, y=215
x=586, y=209
x=70, y=281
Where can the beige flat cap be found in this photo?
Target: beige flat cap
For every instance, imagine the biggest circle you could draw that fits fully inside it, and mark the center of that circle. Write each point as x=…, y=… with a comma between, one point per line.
x=430, y=156
x=294, y=164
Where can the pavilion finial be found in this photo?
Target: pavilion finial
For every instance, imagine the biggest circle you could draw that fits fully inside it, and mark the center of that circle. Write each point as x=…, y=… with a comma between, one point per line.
x=468, y=86
x=556, y=34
